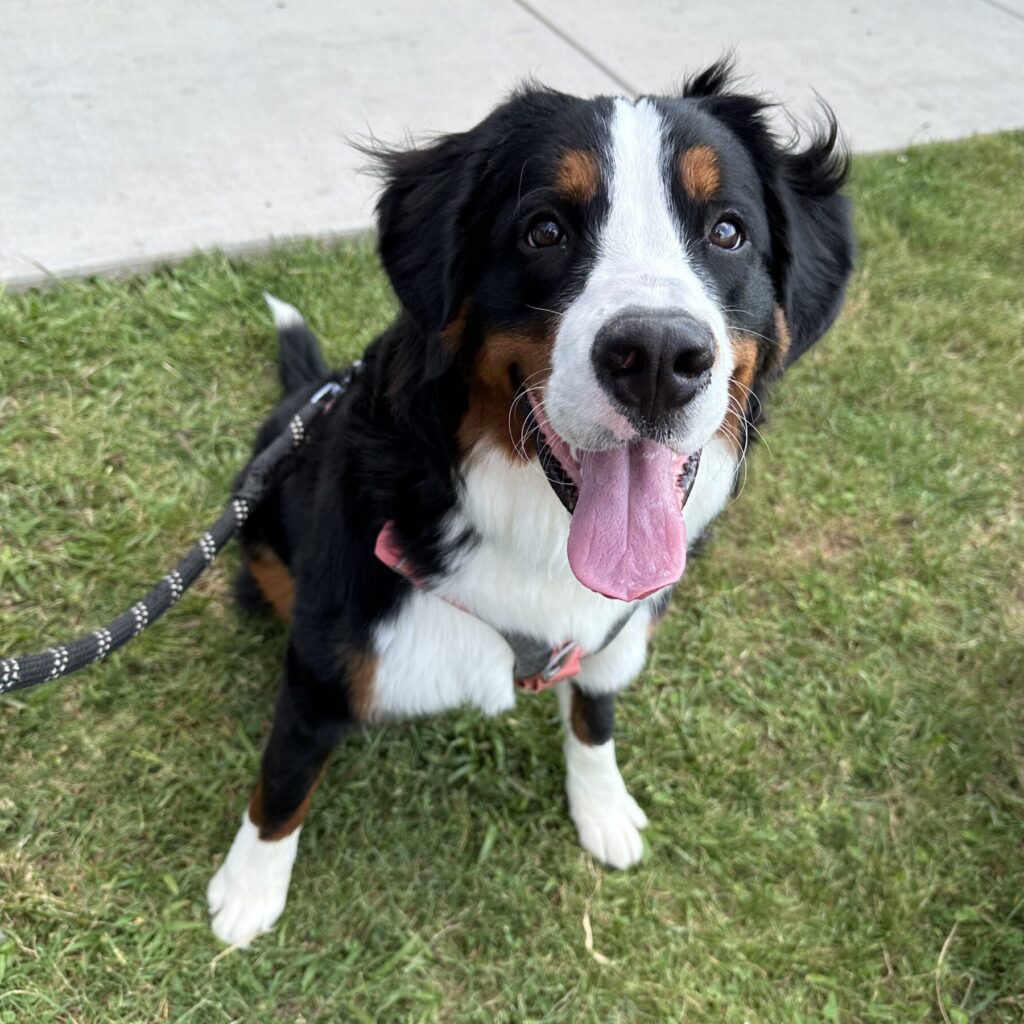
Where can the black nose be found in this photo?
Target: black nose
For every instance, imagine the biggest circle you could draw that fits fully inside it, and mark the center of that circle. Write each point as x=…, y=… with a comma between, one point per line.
x=654, y=362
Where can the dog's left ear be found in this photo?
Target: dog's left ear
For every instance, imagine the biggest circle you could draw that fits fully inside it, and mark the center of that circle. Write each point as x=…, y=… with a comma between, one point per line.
x=424, y=223
x=812, y=235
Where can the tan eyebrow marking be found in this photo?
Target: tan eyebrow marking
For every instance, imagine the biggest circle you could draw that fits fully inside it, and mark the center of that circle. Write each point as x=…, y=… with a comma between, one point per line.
x=699, y=172
x=579, y=176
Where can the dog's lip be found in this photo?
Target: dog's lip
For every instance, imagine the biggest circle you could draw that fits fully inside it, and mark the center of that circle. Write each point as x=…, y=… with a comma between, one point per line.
x=562, y=467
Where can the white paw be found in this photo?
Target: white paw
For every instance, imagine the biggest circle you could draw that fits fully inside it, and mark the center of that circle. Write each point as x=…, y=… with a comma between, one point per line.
x=608, y=824
x=607, y=818
x=248, y=893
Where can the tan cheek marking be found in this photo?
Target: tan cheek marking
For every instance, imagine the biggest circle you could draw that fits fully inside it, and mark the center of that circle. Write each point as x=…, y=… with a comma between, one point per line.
x=578, y=177
x=490, y=415
x=274, y=580
x=699, y=172
x=744, y=351
x=286, y=828
x=783, y=340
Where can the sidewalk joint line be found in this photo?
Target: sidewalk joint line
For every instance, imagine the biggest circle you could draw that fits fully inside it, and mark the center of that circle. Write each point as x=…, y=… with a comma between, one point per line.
x=621, y=82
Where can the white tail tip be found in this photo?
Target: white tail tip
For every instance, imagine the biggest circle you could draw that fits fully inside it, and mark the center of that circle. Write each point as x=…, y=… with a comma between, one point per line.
x=285, y=315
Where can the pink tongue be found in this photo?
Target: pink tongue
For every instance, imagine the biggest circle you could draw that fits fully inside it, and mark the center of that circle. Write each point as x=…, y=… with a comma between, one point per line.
x=627, y=537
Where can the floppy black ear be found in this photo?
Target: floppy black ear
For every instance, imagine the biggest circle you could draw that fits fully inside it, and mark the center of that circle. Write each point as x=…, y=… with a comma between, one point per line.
x=423, y=219
x=812, y=236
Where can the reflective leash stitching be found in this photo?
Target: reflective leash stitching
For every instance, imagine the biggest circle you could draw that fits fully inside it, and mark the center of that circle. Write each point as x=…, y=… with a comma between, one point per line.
x=266, y=470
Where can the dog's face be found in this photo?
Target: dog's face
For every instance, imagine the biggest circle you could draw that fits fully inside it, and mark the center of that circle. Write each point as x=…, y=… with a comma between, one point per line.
x=615, y=281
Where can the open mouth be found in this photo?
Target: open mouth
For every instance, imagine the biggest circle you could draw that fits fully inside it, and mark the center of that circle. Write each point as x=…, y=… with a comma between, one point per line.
x=627, y=538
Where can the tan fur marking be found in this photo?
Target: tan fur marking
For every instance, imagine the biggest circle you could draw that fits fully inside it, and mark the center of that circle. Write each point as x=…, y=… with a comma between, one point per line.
x=256, y=806
x=783, y=339
x=745, y=353
x=286, y=828
x=452, y=332
x=274, y=580
x=578, y=718
x=699, y=172
x=579, y=176
x=360, y=676
x=490, y=414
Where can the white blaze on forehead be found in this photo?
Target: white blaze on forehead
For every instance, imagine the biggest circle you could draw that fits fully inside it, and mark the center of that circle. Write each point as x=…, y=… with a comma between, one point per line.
x=642, y=237
x=641, y=261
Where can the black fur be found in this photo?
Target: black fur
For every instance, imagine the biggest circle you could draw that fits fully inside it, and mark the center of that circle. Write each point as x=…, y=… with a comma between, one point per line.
x=300, y=360
x=309, y=720
x=594, y=715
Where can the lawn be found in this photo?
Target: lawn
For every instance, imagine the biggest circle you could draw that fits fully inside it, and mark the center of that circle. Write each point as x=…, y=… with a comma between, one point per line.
x=828, y=737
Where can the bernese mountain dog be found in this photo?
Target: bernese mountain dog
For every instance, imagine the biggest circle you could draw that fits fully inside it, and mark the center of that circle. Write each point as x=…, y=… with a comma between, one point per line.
x=594, y=296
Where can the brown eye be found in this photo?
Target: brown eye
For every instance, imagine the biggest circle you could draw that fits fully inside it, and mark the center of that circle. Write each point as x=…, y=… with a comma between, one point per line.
x=726, y=234
x=544, y=233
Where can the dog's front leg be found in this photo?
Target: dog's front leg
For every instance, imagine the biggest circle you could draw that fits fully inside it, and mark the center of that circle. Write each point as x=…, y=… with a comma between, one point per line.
x=248, y=892
x=608, y=820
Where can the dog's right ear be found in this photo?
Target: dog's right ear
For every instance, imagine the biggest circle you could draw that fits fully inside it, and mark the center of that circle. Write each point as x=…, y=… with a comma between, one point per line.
x=424, y=223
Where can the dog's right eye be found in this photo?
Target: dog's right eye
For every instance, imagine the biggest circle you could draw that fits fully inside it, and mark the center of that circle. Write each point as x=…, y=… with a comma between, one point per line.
x=726, y=234
x=544, y=233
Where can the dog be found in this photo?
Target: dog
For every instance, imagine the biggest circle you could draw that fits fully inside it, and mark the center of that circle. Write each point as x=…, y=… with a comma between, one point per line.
x=595, y=295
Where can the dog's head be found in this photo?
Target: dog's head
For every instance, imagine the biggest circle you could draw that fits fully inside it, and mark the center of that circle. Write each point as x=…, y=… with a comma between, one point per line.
x=614, y=281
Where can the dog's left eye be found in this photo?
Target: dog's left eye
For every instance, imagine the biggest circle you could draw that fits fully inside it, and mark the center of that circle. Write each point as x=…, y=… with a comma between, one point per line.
x=726, y=234
x=544, y=233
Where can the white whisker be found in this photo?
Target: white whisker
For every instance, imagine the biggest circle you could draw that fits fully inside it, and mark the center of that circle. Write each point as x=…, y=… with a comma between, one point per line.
x=544, y=309
x=747, y=330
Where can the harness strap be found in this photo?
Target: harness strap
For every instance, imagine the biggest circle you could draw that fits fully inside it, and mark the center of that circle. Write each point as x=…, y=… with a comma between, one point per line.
x=538, y=666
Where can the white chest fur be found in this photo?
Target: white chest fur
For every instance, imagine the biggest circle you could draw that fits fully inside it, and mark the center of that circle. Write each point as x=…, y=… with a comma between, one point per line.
x=517, y=576
x=432, y=656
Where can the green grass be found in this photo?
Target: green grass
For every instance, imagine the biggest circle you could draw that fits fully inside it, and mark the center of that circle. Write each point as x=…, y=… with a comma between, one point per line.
x=828, y=736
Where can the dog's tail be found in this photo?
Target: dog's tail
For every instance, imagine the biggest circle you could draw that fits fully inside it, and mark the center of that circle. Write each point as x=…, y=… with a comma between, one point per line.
x=300, y=361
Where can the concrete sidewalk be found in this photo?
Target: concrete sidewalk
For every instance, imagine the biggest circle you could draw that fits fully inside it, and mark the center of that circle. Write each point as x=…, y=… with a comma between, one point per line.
x=131, y=133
